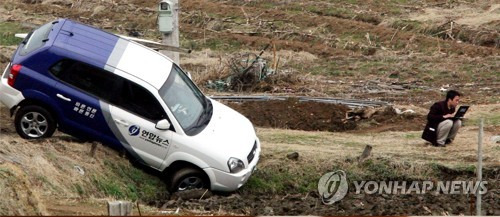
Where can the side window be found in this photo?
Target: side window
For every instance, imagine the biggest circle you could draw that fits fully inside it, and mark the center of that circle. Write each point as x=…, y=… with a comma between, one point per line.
x=140, y=101
x=95, y=81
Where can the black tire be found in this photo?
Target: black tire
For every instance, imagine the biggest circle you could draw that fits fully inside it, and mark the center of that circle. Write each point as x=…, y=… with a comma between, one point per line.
x=188, y=175
x=34, y=122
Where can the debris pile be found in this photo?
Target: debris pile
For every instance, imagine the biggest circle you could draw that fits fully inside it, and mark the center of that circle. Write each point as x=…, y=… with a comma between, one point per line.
x=251, y=72
x=369, y=112
x=246, y=71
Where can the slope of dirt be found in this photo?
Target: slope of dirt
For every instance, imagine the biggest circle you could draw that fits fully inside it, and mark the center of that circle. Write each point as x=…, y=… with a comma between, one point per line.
x=292, y=114
x=37, y=176
x=316, y=116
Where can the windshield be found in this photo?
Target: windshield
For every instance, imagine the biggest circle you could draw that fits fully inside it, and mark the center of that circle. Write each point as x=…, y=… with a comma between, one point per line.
x=189, y=106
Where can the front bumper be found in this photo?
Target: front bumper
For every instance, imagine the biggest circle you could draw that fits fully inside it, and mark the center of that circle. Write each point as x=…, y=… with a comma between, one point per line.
x=224, y=181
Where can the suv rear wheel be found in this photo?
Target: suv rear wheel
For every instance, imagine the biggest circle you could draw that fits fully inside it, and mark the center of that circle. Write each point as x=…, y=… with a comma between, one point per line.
x=34, y=122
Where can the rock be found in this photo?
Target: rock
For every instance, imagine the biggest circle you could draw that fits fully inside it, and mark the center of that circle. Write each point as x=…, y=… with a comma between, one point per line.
x=215, y=25
x=410, y=111
x=495, y=139
x=407, y=111
x=268, y=211
x=394, y=75
x=234, y=196
x=79, y=170
x=170, y=203
x=4, y=59
x=98, y=10
x=368, y=113
x=57, y=2
x=293, y=156
x=366, y=153
x=369, y=51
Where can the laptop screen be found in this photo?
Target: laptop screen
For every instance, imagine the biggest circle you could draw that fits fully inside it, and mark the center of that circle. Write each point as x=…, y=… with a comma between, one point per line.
x=461, y=111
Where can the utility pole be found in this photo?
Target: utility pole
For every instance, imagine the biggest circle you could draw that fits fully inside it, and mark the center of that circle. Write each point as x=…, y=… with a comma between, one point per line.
x=172, y=39
x=479, y=166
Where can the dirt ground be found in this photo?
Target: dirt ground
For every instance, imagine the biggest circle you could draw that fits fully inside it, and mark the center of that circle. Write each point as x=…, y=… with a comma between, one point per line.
x=363, y=204
x=406, y=53
x=316, y=116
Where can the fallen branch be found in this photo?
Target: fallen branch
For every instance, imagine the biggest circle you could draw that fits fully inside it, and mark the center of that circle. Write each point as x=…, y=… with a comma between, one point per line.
x=393, y=35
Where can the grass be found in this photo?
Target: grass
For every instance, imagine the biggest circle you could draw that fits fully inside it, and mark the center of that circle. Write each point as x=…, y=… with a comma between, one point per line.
x=491, y=116
x=128, y=182
x=79, y=189
x=277, y=180
x=380, y=170
x=44, y=181
x=294, y=139
x=352, y=144
x=395, y=156
x=412, y=135
x=7, y=31
x=4, y=172
x=330, y=68
x=293, y=179
x=110, y=187
x=214, y=44
x=330, y=11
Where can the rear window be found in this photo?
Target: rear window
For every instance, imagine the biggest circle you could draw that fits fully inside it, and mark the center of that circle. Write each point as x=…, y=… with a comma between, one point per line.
x=90, y=79
x=36, y=39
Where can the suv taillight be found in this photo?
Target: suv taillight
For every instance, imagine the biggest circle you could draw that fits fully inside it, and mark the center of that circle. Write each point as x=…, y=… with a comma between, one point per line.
x=14, y=71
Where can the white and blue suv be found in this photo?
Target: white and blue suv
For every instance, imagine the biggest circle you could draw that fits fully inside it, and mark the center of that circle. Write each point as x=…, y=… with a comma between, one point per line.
x=98, y=86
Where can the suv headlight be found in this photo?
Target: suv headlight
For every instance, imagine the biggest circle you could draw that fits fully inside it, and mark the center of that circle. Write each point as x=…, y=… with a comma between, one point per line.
x=235, y=165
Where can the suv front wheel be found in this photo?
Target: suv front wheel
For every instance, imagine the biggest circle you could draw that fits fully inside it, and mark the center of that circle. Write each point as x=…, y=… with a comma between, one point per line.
x=187, y=179
x=34, y=122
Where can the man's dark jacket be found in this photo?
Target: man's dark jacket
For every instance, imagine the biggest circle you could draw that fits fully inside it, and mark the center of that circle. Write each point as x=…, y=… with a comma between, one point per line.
x=435, y=116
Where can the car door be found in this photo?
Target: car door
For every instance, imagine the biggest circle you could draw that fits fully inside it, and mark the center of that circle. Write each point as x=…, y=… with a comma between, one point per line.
x=135, y=112
x=78, y=92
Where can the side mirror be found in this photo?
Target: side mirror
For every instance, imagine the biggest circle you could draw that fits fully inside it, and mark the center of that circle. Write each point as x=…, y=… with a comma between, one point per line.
x=163, y=125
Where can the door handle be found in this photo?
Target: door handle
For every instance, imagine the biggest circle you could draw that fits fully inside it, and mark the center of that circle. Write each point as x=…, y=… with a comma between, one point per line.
x=63, y=97
x=121, y=122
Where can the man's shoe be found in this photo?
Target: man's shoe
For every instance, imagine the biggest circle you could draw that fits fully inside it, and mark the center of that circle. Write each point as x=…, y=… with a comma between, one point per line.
x=438, y=145
x=448, y=141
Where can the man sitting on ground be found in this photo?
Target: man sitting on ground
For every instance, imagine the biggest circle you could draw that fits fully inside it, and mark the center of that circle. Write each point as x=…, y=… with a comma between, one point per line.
x=441, y=128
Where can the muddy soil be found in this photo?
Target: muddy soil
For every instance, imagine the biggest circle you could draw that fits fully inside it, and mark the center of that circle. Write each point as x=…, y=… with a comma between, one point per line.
x=316, y=116
x=353, y=204
x=292, y=114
